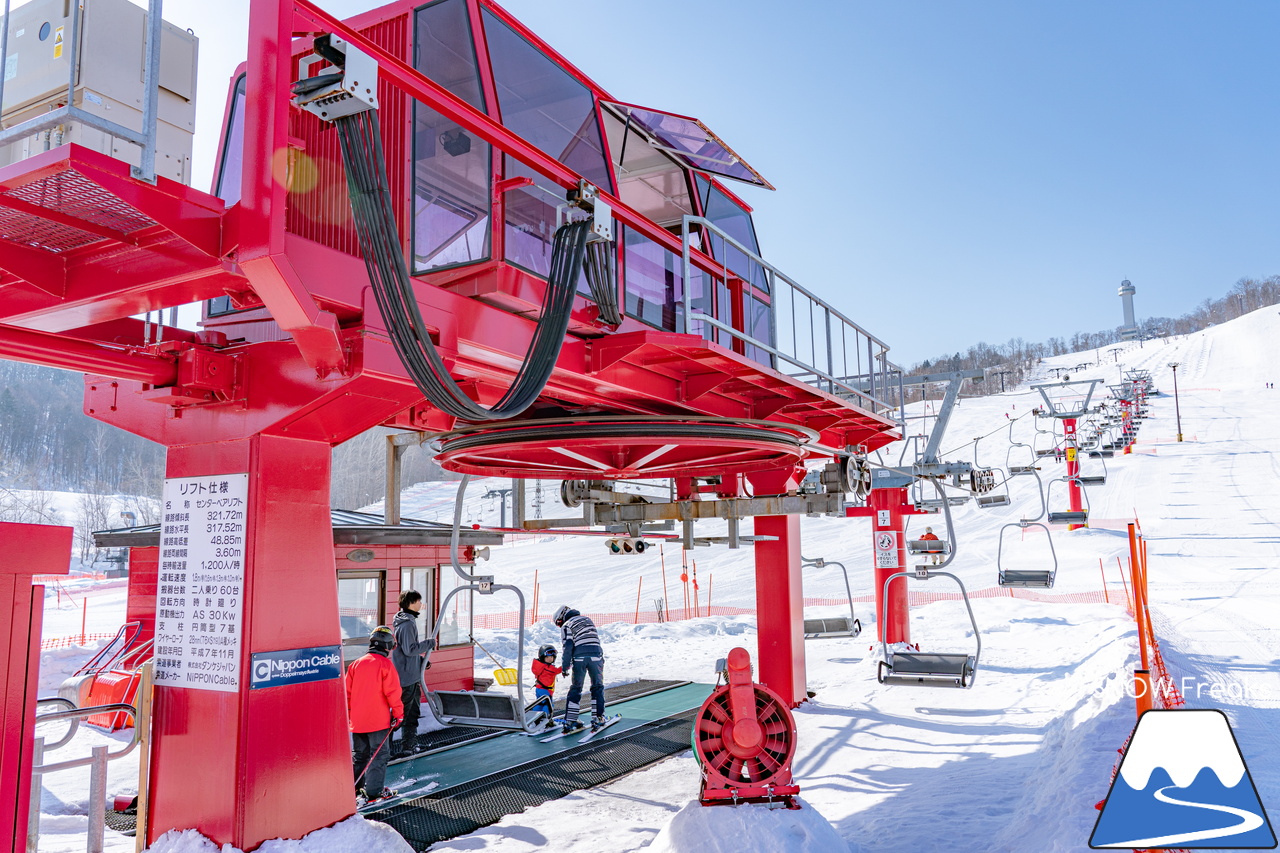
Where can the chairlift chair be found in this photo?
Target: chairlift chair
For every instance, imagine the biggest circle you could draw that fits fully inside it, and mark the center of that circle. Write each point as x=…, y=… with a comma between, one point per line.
x=839, y=626
x=928, y=669
x=486, y=710
x=928, y=546
x=1016, y=470
x=1040, y=578
x=1093, y=479
x=1067, y=516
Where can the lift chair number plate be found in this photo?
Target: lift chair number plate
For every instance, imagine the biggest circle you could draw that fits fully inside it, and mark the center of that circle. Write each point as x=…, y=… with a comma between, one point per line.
x=882, y=517
x=886, y=549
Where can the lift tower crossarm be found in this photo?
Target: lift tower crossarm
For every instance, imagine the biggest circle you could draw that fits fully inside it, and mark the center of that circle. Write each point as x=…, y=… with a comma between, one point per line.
x=930, y=455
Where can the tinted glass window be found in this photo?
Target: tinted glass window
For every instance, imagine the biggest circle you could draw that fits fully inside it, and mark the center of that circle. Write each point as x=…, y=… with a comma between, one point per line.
x=545, y=104
x=654, y=283
x=231, y=166
x=731, y=218
x=452, y=167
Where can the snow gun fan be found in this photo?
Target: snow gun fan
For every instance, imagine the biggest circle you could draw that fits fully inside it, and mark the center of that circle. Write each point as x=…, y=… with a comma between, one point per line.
x=745, y=740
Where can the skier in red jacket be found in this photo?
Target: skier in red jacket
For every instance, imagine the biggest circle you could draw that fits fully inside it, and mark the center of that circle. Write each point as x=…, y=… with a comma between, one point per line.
x=374, y=708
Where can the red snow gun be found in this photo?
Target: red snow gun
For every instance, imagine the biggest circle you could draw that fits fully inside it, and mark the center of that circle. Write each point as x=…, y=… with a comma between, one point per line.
x=745, y=739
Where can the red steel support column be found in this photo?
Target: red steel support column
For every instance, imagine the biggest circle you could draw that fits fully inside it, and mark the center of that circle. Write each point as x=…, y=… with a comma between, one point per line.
x=780, y=596
x=25, y=550
x=1073, y=470
x=888, y=508
x=273, y=762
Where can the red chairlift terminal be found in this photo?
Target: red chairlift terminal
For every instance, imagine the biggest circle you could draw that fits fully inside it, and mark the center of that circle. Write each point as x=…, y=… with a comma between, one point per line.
x=673, y=357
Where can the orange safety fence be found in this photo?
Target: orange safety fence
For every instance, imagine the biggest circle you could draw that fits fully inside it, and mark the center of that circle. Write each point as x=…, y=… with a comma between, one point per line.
x=74, y=640
x=1160, y=692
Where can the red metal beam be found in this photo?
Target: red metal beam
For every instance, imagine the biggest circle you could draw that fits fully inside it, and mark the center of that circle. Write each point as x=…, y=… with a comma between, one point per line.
x=84, y=357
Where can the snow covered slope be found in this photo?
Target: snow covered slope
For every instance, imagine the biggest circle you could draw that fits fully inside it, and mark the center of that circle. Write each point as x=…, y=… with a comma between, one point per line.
x=1016, y=763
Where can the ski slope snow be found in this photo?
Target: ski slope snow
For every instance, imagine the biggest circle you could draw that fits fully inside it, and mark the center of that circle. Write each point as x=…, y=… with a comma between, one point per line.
x=1017, y=762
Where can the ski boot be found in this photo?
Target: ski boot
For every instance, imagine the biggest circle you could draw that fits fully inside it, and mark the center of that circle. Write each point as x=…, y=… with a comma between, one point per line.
x=570, y=728
x=597, y=722
x=364, y=799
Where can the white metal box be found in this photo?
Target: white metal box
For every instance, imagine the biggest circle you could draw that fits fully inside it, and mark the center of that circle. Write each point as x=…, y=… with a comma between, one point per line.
x=108, y=82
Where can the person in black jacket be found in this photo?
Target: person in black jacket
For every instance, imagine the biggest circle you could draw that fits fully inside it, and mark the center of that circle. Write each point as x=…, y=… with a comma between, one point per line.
x=584, y=654
x=408, y=656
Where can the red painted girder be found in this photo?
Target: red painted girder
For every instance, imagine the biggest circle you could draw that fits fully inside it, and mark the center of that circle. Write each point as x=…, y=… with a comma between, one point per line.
x=74, y=354
x=487, y=344
x=278, y=394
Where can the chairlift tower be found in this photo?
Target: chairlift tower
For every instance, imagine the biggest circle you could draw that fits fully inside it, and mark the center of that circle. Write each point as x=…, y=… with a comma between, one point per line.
x=1067, y=401
x=889, y=504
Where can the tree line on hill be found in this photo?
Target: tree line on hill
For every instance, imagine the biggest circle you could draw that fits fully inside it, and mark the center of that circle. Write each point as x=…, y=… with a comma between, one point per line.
x=1006, y=365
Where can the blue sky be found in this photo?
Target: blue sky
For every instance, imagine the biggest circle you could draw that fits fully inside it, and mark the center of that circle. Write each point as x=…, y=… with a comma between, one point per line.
x=947, y=171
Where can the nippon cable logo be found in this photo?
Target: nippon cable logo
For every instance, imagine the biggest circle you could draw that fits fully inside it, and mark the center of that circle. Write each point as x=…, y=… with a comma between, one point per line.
x=303, y=664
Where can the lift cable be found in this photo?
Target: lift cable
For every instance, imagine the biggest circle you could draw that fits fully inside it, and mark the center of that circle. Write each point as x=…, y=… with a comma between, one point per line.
x=374, y=215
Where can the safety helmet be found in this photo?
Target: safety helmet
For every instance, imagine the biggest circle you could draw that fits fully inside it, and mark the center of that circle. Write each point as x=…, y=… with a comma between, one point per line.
x=547, y=650
x=928, y=530
x=382, y=639
x=561, y=614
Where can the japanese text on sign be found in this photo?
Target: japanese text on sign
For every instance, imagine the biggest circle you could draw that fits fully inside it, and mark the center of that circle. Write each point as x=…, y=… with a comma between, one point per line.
x=200, y=587
x=887, y=549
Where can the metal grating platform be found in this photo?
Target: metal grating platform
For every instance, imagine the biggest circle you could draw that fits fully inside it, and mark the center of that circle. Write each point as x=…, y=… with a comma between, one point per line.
x=36, y=232
x=465, y=808
x=71, y=193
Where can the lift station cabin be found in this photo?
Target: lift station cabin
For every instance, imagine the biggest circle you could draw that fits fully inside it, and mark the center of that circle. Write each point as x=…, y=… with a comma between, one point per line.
x=486, y=245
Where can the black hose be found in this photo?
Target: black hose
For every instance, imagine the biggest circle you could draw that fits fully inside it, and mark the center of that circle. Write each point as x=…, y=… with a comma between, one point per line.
x=374, y=215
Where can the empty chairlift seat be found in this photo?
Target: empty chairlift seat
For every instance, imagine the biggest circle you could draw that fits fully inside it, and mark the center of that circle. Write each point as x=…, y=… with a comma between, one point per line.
x=1026, y=578
x=929, y=669
x=823, y=629
x=990, y=501
x=1069, y=517
x=1102, y=454
x=1092, y=480
x=919, y=669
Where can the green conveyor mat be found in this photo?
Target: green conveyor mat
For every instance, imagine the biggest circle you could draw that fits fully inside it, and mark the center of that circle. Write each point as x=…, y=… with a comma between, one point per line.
x=472, y=761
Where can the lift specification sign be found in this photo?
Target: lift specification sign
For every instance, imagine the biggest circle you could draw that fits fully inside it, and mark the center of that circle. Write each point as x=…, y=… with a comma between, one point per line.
x=200, y=586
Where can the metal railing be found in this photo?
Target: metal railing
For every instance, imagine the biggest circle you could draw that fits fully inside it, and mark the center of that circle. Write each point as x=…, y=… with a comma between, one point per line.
x=97, y=760
x=144, y=139
x=810, y=340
